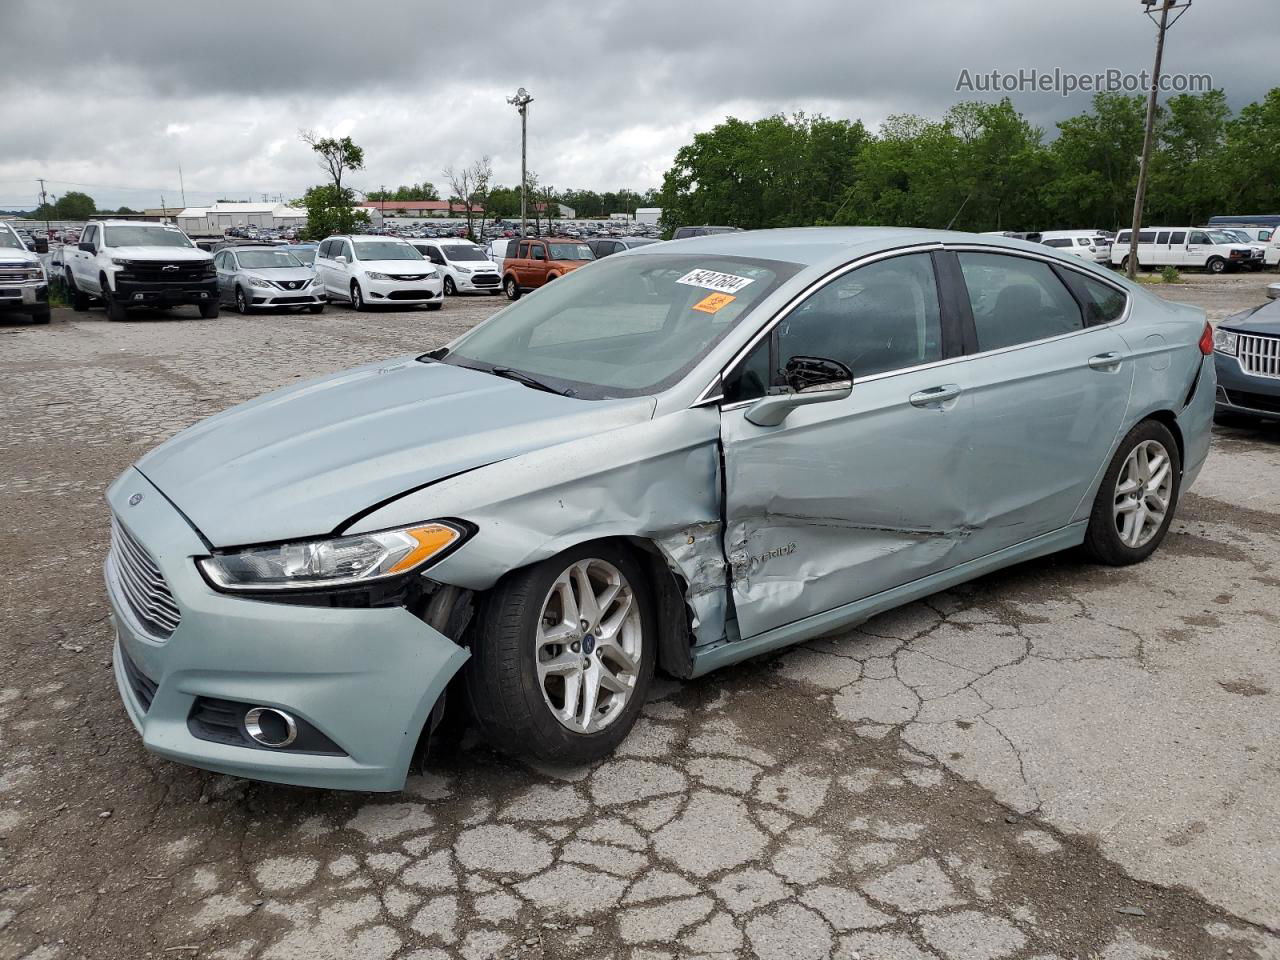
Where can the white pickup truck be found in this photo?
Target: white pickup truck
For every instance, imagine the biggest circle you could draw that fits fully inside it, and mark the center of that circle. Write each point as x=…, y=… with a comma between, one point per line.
x=126, y=263
x=24, y=288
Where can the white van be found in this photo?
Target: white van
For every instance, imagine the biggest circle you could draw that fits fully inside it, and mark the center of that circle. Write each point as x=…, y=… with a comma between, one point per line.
x=466, y=267
x=368, y=270
x=1182, y=247
x=1086, y=244
x=1246, y=236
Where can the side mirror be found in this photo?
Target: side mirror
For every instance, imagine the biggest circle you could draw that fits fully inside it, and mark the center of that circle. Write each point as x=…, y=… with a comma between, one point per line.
x=42, y=244
x=1273, y=291
x=340, y=258
x=88, y=247
x=809, y=380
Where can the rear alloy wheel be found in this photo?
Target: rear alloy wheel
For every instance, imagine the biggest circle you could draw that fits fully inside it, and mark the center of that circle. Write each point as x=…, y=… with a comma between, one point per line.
x=1137, y=498
x=242, y=302
x=563, y=655
x=449, y=289
x=1217, y=265
x=357, y=297
x=512, y=288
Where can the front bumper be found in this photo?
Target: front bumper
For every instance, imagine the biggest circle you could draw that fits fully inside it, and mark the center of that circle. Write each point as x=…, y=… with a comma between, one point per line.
x=407, y=292
x=1245, y=393
x=23, y=294
x=273, y=297
x=179, y=293
x=365, y=678
x=478, y=283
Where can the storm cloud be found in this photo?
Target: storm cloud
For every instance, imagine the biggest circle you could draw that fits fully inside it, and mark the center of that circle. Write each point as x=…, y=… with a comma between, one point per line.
x=110, y=96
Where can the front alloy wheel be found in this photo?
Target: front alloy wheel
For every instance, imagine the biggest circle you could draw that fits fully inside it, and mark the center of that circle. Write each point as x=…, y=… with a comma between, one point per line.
x=562, y=654
x=242, y=302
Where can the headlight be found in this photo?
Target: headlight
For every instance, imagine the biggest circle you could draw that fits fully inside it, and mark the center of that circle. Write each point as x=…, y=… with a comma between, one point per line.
x=432, y=274
x=209, y=269
x=259, y=282
x=376, y=276
x=1224, y=341
x=336, y=562
x=462, y=269
x=120, y=261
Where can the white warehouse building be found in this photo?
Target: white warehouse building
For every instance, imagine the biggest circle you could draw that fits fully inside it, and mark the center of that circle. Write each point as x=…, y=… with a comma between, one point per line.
x=213, y=221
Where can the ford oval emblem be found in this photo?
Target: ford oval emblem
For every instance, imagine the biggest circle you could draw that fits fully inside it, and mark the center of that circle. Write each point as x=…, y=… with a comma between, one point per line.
x=135, y=500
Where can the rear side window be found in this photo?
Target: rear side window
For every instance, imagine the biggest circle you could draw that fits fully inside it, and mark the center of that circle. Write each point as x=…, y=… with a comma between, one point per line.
x=1162, y=237
x=1179, y=236
x=1102, y=302
x=522, y=251
x=1016, y=300
x=1059, y=244
x=1147, y=236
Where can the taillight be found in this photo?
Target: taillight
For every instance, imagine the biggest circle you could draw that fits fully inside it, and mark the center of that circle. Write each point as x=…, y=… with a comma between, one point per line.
x=1206, y=339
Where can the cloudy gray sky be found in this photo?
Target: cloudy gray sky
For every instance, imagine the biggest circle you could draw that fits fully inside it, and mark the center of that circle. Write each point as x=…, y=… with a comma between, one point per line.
x=109, y=96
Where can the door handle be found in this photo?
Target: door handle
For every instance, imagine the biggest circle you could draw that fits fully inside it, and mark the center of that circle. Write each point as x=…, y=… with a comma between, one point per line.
x=1105, y=361
x=934, y=395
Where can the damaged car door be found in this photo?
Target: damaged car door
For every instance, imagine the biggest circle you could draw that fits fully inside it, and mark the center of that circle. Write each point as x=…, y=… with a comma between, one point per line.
x=839, y=500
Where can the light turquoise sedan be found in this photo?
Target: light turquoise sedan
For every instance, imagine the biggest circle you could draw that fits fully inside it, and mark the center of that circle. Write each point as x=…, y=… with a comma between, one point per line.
x=678, y=457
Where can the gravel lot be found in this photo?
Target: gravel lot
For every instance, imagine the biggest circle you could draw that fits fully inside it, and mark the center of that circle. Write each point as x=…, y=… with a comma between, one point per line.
x=1057, y=761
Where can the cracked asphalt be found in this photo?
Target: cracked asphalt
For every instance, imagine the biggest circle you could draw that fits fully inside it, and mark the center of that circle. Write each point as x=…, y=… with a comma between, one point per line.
x=1056, y=761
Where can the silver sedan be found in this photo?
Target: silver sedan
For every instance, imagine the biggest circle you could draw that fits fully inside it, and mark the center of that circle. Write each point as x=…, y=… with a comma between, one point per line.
x=252, y=277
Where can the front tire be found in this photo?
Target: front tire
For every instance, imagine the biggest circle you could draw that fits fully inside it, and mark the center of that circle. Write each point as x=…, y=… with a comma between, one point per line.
x=512, y=288
x=562, y=655
x=115, y=309
x=79, y=299
x=41, y=315
x=316, y=308
x=242, y=301
x=434, y=306
x=1137, y=499
x=449, y=289
x=357, y=297
x=1216, y=265
x=210, y=311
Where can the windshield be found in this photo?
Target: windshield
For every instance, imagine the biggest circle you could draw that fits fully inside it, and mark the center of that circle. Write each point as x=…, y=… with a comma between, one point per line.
x=461, y=251
x=626, y=326
x=306, y=257
x=10, y=239
x=385, y=250
x=570, y=251
x=1217, y=236
x=267, y=259
x=144, y=235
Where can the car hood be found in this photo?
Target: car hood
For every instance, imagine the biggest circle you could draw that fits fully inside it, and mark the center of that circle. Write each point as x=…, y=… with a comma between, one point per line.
x=1264, y=320
x=14, y=255
x=280, y=274
x=160, y=253
x=399, y=268
x=302, y=461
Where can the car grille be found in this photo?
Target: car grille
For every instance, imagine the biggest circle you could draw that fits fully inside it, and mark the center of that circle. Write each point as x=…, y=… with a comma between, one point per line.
x=485, y=279
x=291, y=284
x=1259, y=356
x=142, y=583
x=143, y=687
x=407, y=276
x=180, y=271
x=1253, y=401
x=410, y=295
x=284, y=300
x=14, y=272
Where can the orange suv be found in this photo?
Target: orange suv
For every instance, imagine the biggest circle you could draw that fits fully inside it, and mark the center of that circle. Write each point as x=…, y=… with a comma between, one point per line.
x=540, y=261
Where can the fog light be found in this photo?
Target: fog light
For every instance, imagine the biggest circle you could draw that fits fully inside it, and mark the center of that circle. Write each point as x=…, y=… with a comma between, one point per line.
x=270, y=727
x=137, y=296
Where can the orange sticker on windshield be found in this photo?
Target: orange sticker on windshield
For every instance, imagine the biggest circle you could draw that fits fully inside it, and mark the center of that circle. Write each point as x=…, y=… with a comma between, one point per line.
x=714, y=303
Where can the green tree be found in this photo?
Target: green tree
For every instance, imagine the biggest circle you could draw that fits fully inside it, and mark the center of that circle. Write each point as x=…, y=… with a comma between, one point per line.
x=1249, y=172
x=72, y=205
x=128, y=210
x=414, y=191
x=1095, y=164
x=331, y=206
x=1186, y=170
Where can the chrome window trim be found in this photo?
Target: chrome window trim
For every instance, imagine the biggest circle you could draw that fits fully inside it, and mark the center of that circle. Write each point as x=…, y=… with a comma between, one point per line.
x=713, y=392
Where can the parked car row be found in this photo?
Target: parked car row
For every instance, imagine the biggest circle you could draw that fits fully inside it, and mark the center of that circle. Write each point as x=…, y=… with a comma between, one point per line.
x=24, y=286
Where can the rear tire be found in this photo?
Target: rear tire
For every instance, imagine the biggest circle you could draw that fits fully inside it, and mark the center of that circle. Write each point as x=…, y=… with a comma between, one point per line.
x=1124, y=264
x=79, y=299
x=512, y=288
x=1123, y=526
x=512, y=698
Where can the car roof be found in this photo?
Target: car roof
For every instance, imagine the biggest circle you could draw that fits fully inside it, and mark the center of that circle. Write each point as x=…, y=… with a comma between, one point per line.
x=810, y=246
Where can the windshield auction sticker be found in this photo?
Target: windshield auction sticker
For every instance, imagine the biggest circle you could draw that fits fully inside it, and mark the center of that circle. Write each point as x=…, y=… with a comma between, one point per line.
x=714, y=302
x=711, y=280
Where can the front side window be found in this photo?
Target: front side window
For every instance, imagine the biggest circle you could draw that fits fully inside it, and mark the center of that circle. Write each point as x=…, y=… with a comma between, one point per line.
x=1016, y=300
x=1199, y=236
x=538, y=252
x=629, y=326
x=144, y=235
x=1265, y=235
x=571, y=251
x=90, y=235
x=880, y=317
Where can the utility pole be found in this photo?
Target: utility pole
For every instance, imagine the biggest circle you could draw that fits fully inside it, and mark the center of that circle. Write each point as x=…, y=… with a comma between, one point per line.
x=1162, y=27
x=521, y=102
x=182, y=186
x=44, y=202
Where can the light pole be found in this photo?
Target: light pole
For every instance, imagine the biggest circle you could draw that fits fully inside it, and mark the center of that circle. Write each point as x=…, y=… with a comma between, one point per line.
x=521, y=102
x=1162, y=26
